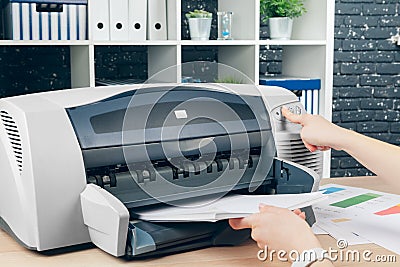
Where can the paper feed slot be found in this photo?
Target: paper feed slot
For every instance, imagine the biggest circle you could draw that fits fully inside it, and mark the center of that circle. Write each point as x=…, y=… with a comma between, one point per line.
x=148, y=183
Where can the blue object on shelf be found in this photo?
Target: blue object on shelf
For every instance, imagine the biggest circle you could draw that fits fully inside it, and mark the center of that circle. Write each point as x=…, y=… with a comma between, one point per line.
x=307, y=89
x=292, y=83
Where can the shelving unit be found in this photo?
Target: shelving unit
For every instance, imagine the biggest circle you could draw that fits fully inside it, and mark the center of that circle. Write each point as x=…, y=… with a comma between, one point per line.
x=308, y=54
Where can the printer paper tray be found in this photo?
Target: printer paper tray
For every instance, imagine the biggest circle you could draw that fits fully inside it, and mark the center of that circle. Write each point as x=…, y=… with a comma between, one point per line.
x=168, y=238
x=108, y=223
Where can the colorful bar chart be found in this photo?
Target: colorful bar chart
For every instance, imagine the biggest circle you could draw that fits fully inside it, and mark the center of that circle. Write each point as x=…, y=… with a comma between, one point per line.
x=389, y=211
x=331, y=190
x=355, y=200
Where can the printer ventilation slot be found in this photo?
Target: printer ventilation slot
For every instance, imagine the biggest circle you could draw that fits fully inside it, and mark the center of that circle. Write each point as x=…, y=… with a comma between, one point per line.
x=13, y=135
x=294, y=150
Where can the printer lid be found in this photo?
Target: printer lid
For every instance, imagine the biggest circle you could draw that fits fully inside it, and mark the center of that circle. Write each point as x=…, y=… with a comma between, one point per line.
x=161, y=114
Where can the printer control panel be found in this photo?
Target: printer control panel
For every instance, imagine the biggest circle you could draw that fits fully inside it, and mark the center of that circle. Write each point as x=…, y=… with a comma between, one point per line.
x=295, y=108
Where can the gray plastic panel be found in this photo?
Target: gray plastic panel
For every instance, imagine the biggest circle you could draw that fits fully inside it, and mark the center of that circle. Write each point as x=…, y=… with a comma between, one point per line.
x=162, y=114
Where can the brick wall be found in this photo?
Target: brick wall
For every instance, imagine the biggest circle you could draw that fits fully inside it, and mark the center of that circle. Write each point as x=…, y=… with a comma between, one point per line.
x=121, y=62
x=366, y=75
x=30, y=69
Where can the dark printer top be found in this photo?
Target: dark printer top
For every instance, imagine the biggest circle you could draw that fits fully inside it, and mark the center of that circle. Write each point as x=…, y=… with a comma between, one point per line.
x=175, y=139
x=164, y=115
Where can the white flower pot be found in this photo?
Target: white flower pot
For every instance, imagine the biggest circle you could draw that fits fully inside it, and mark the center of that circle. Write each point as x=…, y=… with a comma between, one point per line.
x=200, y=28
x=280, y=28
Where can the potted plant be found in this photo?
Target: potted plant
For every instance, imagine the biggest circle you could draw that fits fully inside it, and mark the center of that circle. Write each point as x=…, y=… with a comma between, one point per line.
x=280, y=15
x=199, y=24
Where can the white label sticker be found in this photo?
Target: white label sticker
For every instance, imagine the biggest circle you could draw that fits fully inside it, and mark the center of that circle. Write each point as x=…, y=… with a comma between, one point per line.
x=180, y=114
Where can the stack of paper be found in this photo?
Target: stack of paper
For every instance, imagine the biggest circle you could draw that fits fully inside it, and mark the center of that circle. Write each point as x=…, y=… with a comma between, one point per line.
x=233, y=206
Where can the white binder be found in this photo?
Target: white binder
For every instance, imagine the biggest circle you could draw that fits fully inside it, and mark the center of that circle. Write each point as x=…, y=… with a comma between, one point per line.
x=81, y=20
x=54, y=26
x=137, y=20
x=118, y=20
x=157, y=20
x=64, y=27
x=44, y=26
x=35, y=22
x=25, y=23
x=73, y=22
x=99, y=22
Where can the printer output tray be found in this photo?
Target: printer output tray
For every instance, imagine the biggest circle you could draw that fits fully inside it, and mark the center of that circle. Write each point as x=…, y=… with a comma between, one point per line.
x=170, y=238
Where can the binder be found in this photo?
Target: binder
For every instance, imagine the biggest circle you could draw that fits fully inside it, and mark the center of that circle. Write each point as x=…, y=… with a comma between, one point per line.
x=25, y=33
x=309, y=87
x=99, y=22
x=64, y=28
x=45, y=19
x=119, y=20
x=44, y=26
x=12, y=21
x=54, y=26
x=137, y=20
x=172, y=23
x=310, y=100
x=73, y=24
x=157, y=20
x=35, y=22
x=82, y=22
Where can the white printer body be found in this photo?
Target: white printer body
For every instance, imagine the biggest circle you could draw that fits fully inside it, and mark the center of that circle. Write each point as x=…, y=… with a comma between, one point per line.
x=50, y=198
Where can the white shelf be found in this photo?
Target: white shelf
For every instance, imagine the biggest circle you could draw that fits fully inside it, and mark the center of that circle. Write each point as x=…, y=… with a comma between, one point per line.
x=219, y=42
x=292, y=42
x=42, y=43
x=137, y=43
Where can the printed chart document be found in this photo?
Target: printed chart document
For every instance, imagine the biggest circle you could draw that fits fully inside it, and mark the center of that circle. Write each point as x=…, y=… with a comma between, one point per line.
x=233, y=206
x=360, y=215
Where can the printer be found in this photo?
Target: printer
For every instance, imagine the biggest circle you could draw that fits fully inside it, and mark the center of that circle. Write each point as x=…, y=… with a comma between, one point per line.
x=78, y=164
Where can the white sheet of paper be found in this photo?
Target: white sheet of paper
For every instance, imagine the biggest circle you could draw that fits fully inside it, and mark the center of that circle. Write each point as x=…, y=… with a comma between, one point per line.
x=233, y=206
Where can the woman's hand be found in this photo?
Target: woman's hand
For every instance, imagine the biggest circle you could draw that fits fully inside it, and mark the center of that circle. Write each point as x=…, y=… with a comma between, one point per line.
x=317, y=133
x=279, y=229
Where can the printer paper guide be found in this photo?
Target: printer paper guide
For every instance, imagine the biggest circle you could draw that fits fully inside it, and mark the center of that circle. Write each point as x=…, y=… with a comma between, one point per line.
x=232, y=206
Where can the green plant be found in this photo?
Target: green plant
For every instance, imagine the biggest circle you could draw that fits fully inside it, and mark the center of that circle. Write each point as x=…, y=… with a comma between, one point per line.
x=281, y=8
x=228, y=79
x=198, y=14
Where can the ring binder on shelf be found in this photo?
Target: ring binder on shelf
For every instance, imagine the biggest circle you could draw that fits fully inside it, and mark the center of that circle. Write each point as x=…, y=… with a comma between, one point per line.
x=157, y=20
x=137, y=20
x=45, y=19
x=118, y=20
x=99, y=20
